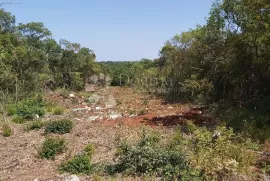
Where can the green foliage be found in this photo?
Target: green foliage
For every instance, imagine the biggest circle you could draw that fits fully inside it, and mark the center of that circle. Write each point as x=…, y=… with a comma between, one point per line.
x=63, y=92
x=59, y=127
x=254, y=124
x=19, y=120
x=58, y=110
x=29, y=107
x=151, y=157
x=6, y=130
x=266, y=168
x=52, y=147
x=220, y=153
x=35, y=125
x=11, y=110
x=80, y=163
x=77, y=164
x=89, y=150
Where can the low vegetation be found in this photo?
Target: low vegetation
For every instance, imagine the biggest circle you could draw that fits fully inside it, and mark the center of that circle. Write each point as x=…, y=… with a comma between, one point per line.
x=81, y=163
x=59, y=127
x=6, y=130
x=52, y=147
x=58, y=110
x=35, y=125
x=198, y=154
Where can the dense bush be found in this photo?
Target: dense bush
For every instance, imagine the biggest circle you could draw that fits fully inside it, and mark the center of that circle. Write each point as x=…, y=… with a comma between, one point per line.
x=52, y=147
x=59, y=127
x=28, y=108
x=151, y=157
x=6, y=130
x=219, y=153
x=79, y=163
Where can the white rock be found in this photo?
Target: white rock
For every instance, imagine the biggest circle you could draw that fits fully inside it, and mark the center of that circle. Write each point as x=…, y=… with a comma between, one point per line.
x=93, y=118
x=72, y=178
x=98, y=108
x=115, y=116
x=71, y=95
x=36, y=116
x=36, y=179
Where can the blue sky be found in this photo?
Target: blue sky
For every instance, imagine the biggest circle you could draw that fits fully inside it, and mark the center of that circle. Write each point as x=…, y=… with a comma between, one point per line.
x=117, y=30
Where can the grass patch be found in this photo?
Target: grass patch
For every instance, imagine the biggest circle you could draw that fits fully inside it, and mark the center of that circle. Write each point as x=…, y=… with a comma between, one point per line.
x=35, y=125
x=52, y=147
x=19, y=120
x=79, y=164
x=58, y=110
x=59, y=127
x=11, y=110
x=6, y=130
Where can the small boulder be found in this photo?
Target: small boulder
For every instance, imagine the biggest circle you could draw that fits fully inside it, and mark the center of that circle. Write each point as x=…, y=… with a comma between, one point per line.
x=71, y=95
x=72, y=178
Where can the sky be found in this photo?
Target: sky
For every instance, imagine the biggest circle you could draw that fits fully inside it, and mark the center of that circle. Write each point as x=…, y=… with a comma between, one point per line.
x=117, y=30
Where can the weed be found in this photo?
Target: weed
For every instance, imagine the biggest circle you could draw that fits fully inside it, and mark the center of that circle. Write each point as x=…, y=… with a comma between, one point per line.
x=11, y=110
x=35, y=125
x=89, y=150
x=19, y=120
x=58, y=110
x=142, y=112
x=7, y=131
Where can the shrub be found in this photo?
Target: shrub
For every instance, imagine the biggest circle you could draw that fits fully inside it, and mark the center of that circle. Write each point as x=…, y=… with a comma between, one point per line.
x=77, y=164
x=58, y=110
x=6, y=130
x=151, y=157
x=52, y=147
x=28, y=108
x=142, y=112
x=89, y=150
x=64, y=93
x=220, y=153
x=11, y=110
x=35, y=125
x=59, y=127
x=19, y=120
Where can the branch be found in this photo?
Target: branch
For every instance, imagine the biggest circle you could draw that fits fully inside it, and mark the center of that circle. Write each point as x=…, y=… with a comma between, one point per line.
x=8, y=3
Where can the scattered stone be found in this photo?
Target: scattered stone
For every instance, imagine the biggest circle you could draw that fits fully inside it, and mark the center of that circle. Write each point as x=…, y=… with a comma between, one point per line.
x=111, y=102
x=98, y=108
x=265, y=177
x=36, y=116
x=72, y=178
x=36, y=179
x=115, y=116
x=90, y=88
x=82, y=109
x=94, y=98
x=71, y=95
x=94, y=118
